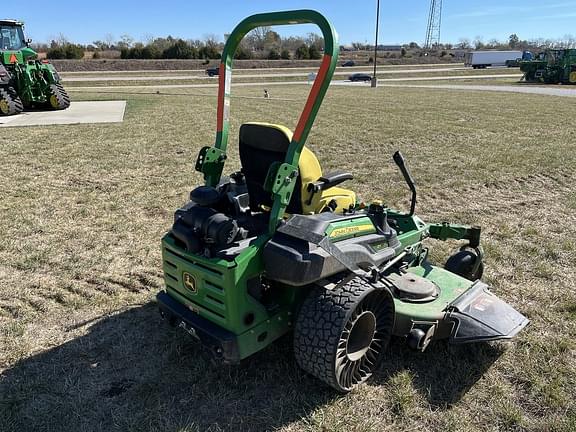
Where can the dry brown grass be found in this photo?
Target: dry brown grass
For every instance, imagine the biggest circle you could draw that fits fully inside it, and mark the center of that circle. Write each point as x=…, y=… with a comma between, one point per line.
x=83, y=208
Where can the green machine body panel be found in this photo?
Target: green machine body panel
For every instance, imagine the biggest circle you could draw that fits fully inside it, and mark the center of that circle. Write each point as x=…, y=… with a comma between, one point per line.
x=218, y=291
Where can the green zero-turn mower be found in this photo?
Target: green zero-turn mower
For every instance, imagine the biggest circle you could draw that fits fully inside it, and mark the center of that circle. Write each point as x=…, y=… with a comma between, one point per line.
x=279, y=247
x=25, y=81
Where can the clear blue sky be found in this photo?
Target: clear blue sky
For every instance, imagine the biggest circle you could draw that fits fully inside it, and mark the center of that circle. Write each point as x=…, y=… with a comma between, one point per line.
x=401, y=21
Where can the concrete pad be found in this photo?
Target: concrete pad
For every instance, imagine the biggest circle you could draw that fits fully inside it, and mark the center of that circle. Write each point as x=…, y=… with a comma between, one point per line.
x=79, y=112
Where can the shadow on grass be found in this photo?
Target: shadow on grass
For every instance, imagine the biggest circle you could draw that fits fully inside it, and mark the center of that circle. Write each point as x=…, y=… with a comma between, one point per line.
x=443, y=373
x=132, y=372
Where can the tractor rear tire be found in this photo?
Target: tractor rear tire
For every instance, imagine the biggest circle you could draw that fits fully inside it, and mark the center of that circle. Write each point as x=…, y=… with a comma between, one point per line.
x=340, y=334
x=58, y=99
x=10, y=103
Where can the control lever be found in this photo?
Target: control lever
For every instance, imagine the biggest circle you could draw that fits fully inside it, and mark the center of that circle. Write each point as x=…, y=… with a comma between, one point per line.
x=399, y=159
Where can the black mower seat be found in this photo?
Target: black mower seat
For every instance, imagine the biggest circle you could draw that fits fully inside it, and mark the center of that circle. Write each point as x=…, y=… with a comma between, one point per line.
x=262, y=144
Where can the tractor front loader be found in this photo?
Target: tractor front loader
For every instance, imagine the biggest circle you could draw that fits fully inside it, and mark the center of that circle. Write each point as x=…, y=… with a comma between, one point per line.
x=25, y=81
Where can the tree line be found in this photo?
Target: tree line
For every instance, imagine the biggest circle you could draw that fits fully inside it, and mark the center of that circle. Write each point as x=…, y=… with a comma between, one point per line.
x=261, y=43
x=265, y=43
x=513, y=42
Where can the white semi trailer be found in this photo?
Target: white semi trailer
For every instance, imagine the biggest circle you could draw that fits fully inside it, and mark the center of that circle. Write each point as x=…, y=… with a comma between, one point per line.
x=484, y=59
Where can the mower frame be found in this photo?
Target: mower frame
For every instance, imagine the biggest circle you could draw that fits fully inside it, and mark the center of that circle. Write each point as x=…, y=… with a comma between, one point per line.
x=217, y=300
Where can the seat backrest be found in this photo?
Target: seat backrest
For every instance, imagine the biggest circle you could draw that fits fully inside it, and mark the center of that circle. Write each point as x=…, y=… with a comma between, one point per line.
x=262, y=144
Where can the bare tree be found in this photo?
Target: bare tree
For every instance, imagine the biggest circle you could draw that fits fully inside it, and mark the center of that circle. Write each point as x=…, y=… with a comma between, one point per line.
x=272, y=41
x=147, y=38
x=292, y=43
x=463, y=43
x=110, y=40
x=126, y=41
x=568, y=41
x=478, y=42
x=256, y=39
x=315, y=40
x=494, y=43
x=212, y=40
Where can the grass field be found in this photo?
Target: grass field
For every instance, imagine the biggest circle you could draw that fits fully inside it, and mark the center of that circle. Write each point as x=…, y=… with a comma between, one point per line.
x=82, y=347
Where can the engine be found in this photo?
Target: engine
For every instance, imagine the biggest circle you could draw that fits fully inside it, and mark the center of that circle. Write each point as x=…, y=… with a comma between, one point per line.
x=203, y=225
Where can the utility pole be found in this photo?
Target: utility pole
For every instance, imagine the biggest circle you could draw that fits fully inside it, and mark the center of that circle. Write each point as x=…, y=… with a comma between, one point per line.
x=374, y=79
x=434, y=25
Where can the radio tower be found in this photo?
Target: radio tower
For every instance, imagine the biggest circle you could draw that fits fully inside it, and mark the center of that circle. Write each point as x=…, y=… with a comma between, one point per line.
x=434, y=24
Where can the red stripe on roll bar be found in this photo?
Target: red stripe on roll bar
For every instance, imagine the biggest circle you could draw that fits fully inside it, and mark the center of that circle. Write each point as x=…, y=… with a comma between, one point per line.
x=312, y=96
x=221, y=88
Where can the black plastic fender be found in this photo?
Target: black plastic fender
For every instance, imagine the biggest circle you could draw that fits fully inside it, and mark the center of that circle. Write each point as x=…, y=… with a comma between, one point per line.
x=479, y=315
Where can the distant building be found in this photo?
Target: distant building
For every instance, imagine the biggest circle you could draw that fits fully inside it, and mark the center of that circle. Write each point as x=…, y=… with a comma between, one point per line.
x=370, y=47
x=389, y=47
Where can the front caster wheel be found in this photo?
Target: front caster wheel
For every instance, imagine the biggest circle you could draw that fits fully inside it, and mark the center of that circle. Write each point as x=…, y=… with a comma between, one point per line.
x=340, y=334
x=466, y=263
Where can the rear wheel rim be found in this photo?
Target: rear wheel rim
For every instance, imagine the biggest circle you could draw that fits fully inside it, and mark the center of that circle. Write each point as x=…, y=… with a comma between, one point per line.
x=360, y=336
x=365, y=335
x=4, y=107
x=54, y=101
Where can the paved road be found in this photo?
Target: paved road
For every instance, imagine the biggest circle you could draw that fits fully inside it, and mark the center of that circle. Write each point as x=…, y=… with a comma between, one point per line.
x=311, y=68
x=548, y=91
x=276, y=83
x=525, y=89
x=170, y=77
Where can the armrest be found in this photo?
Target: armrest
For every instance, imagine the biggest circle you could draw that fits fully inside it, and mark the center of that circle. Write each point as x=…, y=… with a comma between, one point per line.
x=329, y=180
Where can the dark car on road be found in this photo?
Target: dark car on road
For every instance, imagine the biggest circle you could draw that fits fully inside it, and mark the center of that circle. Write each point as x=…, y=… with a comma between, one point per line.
x=349, y=63
x=213, y=71
x=360, y=77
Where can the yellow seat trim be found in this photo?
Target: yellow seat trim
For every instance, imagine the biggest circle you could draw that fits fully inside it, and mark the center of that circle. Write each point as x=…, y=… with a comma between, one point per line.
x=310, y=171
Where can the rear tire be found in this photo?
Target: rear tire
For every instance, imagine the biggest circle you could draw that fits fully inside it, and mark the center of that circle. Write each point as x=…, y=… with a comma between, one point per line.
x=340, y=334
x=10, y=103
x=58, y=99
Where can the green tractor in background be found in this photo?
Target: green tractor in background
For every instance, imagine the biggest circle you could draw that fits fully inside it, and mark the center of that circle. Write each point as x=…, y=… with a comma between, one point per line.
x=25, y=81
x=554, y=66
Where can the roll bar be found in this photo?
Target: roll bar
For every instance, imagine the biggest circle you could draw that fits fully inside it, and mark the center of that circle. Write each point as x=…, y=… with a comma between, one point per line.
x=211, y=159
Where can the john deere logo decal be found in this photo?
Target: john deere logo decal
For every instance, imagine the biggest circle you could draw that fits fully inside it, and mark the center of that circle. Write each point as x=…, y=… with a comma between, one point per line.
x=190, y=282
x=352, y=230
